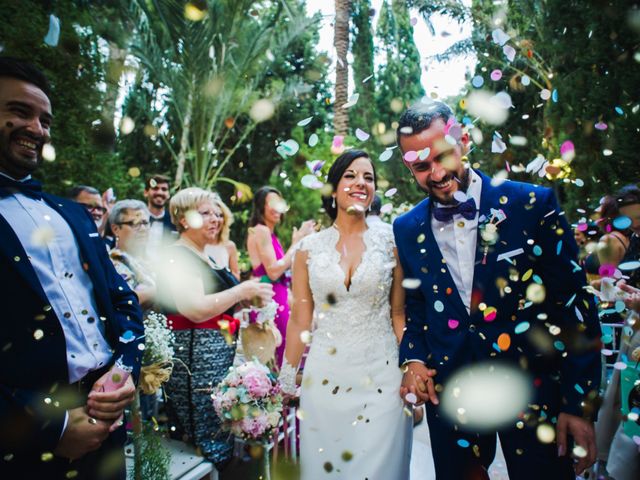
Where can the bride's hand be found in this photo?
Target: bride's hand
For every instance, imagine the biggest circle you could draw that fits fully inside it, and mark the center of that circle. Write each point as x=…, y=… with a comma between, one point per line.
x=418, y=380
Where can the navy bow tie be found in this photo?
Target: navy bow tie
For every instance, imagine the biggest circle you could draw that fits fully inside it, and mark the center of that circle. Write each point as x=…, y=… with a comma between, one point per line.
x=31, y=188
x=467, y=209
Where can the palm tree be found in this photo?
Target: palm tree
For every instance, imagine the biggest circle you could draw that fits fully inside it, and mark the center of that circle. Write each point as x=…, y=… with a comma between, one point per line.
x=341, y=44
x=209, y=70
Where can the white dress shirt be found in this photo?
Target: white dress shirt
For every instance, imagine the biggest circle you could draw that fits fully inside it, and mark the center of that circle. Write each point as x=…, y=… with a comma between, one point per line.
x=54, y=254
x=457, y=241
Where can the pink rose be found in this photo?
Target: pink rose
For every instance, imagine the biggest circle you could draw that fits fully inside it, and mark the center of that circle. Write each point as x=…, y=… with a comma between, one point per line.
x=257, y=383
x=254, y=427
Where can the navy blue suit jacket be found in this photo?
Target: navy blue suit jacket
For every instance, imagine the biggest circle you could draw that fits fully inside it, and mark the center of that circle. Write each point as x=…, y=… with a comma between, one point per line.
x=535, y=224
x=33, y=374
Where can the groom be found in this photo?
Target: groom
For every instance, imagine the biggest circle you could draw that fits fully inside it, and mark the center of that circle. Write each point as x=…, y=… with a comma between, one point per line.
x=475, y=248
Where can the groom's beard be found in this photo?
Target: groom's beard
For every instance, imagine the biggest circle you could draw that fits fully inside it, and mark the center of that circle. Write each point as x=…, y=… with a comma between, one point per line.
x=463, y=185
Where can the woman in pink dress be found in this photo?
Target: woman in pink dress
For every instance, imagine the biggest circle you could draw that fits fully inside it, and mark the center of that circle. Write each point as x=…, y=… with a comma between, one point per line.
x=269, y=261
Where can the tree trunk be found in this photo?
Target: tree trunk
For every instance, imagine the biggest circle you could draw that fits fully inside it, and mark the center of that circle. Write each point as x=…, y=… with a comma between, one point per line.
x=341, y=44
x=184, y=140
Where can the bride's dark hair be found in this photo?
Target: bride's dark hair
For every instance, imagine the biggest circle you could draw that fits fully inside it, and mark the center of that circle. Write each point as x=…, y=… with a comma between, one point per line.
x=335, y=174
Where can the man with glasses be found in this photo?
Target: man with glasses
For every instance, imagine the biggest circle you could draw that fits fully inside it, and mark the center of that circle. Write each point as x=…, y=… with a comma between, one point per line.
x=91, y=199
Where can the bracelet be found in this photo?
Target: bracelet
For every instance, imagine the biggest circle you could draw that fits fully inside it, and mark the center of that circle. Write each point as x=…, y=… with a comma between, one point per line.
x=287, y=378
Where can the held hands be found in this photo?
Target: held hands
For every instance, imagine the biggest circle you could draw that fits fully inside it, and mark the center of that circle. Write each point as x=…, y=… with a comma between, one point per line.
x=584, y=436
x=306, y=228
x=109, y=406
x=418, y=380
x=82, y=435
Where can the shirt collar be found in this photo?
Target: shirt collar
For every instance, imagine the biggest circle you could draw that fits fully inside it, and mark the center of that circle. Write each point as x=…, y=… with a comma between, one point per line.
x=28, y=177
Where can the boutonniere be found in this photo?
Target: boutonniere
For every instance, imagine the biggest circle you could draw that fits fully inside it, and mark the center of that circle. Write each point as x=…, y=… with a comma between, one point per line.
x=488, y=228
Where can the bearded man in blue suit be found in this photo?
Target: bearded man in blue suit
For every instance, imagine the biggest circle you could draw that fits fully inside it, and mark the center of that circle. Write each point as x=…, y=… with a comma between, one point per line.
x=476, y=246
x=67, y=316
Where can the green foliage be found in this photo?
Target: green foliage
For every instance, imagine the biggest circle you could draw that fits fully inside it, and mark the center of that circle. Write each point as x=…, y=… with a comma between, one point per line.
x=152, y=459
x=584, y=51
x=75, y=69
x=362, y=114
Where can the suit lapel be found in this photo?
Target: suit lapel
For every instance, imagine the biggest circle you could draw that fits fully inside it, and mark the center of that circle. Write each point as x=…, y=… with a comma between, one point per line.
x=12, y=249
x=437, y=271
x=489, y=198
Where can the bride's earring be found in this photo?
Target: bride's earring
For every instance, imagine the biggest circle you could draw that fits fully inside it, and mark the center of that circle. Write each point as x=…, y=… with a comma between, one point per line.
x=333, y=202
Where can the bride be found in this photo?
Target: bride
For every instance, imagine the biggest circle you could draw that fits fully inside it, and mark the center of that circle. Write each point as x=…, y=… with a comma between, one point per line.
x=347, y=284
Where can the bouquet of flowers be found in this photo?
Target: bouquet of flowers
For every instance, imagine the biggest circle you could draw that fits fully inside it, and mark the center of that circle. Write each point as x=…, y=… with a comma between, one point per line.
x=158, y=353
x=249, y=402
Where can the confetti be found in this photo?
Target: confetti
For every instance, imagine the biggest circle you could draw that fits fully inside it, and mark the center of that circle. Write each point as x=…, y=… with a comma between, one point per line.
x=486, y=396
x=127, y=125
x=453, y=324
x=391, y=192
x=362, y=135
x=48, y=152
x=496, y=75
x=438, y=306
x=410, y=156
x=504, y=341
x=463, y=443
x=545, y=433
x=489, y=314
x=193, y=12
x=386, y=155
x=509, y=52
x=567, y=151
x=305, y=122
x=353, y=99
x=313, y=140
x=411, y=283
x=500, y=37
x=522, y=327
x=477, y=81
x=53, y=35
x=601, y=126
x=262, y=110
x=545, y=94
x=622, y=222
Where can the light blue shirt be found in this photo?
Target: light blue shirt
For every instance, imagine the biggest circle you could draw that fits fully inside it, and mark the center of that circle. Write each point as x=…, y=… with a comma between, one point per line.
x=55, y=256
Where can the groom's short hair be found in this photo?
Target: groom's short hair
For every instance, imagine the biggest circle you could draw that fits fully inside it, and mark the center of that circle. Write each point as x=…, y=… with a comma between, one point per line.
x=420, y=115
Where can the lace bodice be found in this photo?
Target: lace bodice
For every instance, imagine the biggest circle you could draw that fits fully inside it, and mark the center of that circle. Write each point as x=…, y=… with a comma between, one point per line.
x=357, y=319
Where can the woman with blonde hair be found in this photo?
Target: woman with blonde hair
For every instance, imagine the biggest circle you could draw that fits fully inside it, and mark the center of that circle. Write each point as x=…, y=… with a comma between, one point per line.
x=199, y=300
x=223, y=250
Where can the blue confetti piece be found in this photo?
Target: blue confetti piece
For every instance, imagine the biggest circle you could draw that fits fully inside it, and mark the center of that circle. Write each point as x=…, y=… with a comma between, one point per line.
x=554, y=96
x=619, y=111
x=522, y=327
x=537, y=250
x=496, y=347
x=606, y=339
x=579, y=389
x=559, y=247
x=537, y=279
x=573, y=297
x=53, y=35
x=467, y=121
x=477, y=81
x=622, y=222
x=559, y=345
x=576, y=267
x=463, y=443
x=619, y=306
x=438, y=306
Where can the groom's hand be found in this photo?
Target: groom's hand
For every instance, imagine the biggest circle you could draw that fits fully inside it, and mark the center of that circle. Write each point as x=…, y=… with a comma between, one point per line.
x=418, y=380
x=583, y=435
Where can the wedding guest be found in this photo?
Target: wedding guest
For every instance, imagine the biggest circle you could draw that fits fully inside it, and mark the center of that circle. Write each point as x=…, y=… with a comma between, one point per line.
x=129, y=221
x=162, y=231
x=223, y=250
x=90, y=199
x=614, y=243
x=199, y=298
x=269, y=260
x=465, y=244
x=67, y=314
x=618, y=454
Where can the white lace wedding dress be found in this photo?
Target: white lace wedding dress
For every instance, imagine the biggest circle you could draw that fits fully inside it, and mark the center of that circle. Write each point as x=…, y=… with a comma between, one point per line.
x=353, y=423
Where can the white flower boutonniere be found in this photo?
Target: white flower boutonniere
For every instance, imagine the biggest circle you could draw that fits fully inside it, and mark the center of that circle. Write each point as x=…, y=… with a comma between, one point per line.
x=488, y=228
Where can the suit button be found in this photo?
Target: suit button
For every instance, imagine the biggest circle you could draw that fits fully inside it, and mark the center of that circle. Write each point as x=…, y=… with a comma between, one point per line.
x=472, y=328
